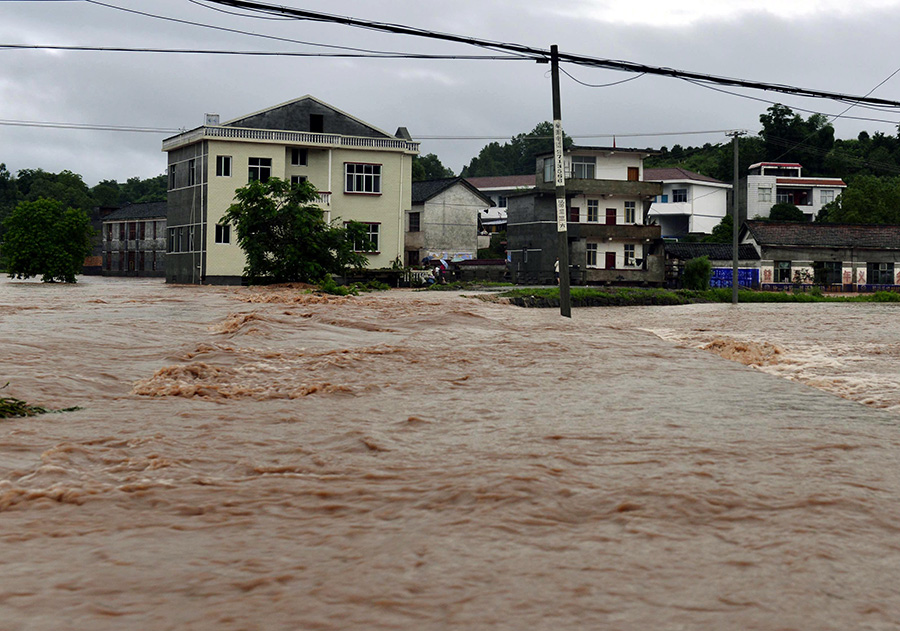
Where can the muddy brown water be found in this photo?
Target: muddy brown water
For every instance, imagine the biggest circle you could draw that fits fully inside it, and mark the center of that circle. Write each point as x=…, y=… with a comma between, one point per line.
x=261, y=459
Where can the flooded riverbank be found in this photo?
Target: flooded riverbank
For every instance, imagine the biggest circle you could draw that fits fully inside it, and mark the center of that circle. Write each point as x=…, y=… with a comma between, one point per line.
x=410, y=460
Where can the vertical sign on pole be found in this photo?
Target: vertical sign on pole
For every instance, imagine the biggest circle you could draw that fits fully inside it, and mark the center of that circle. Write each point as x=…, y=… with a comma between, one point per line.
x=565, y=300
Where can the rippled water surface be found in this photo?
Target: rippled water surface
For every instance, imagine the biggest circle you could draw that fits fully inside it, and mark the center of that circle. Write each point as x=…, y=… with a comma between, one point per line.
x=262, y=459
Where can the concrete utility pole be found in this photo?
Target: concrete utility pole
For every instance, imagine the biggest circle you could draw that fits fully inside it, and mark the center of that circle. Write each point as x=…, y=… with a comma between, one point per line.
x=735, y=285
x=565, y=299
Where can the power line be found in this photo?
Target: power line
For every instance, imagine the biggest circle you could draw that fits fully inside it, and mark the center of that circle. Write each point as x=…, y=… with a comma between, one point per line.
x=264, y=53
x=544, y=55
x=249, y=33
x=90, y=127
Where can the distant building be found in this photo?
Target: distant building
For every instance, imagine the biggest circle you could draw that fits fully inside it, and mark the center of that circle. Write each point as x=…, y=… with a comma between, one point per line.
x=134, y=240
x=852, y=257
x=443, y=221
x=690, y=203
x=770, y=183
x=607, y=202
x=361, y=172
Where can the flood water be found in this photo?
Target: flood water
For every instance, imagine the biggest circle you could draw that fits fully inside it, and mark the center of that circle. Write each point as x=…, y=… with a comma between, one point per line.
x=260, y=459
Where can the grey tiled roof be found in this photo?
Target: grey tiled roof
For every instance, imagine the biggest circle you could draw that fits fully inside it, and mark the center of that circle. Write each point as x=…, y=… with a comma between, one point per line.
x=715, y=251
x=425, y=190
x=877, y=236
x=677, y=173
x=147, y=210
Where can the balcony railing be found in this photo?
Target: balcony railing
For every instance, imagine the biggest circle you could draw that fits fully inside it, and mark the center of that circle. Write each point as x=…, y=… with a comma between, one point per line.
x=287, y=137
x=323, y=198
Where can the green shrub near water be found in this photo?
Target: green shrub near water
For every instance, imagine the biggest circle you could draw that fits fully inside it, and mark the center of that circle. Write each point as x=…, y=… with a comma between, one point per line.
x=697, y=273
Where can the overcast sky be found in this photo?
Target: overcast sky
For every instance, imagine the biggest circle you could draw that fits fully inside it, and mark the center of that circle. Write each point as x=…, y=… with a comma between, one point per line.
x=831, y=45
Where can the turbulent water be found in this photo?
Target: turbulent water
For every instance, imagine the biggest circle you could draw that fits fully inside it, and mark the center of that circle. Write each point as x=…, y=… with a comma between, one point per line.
x=263, y=459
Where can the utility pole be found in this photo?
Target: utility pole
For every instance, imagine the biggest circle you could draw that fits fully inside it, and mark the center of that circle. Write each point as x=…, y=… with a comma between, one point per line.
x=565, y=300
x=735, y=285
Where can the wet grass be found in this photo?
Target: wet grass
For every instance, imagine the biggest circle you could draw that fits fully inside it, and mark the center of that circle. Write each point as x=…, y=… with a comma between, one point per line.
x=635, y=296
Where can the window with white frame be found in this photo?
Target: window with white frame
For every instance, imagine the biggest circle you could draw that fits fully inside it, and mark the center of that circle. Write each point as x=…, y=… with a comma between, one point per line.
x=630, y=212
x=372, y=232
x=629, y=254
x=764, y=194
x=826, y=195
x=223, y=233
x=297, y=180
x=260, y=169
x=171, y=176
x=591, y=254
x=584, y=167
x=679, y=195
x=593, y=210
x=299, y=157
x=548, y=170
x=192, y=172
x=223, y=166
x=362, y=178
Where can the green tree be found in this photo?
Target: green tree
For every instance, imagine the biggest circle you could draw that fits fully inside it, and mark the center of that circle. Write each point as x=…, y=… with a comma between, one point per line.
x=516, y=157
x=697, y=273
x=867, y=199
x=44, y=238
x=429, y=167
x=789, y=138
x=285, y=237
x=785, y=211
x=723, y=232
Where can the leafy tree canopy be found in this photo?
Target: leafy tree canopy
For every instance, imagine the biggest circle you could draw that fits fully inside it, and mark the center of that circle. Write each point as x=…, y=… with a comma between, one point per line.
x=785, y=211
x=285, y=237
x=516, y=157
x=867, y=199
x=44, y=238
x=722, y=233
x=429, y=167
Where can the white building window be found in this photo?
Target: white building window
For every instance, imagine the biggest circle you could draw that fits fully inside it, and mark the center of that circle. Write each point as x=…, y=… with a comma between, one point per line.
x=260, y=169
x=583, y=167
x=629, y=254
x=826, y=196
x=362, y=178
x=679, y=195
x=372, y=232
x=630, y=212
x=223, y=233
x=591, y=252
x=593, y=210
x=223, y=166
x=171, y=176
x=764, y=194
x=297, y=180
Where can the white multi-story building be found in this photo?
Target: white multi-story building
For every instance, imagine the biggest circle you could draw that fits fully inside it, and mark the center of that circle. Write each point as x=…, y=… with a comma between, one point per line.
x=770, y=183
x=361, y=172
x=690, y=203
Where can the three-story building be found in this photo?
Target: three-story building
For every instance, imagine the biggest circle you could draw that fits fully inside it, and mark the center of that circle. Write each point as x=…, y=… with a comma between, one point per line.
x=607, y=202
x=361, y=172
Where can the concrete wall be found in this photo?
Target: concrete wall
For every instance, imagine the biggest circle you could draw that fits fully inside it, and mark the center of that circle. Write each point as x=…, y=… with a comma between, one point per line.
x=450, y=222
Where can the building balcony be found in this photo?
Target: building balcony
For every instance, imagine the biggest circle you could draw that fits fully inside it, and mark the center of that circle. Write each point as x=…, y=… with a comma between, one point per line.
x=273, y=136
x=323, y=198
x=614, y=232
x=620, y=188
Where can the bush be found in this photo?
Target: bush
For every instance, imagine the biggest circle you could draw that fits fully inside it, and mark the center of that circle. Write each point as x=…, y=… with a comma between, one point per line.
x=697, y=273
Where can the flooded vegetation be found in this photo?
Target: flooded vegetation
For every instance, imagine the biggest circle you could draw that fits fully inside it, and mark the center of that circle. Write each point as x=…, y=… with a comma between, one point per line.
x=267, y=458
